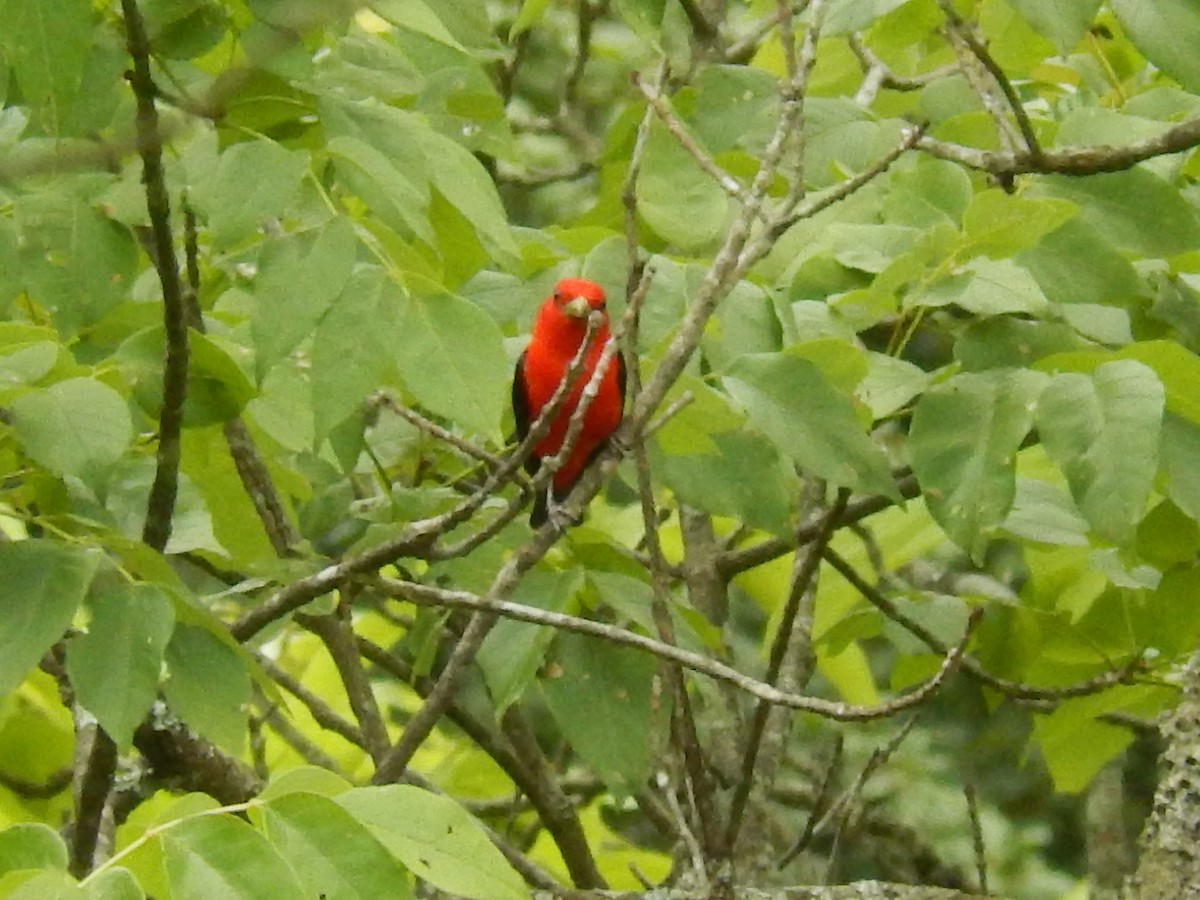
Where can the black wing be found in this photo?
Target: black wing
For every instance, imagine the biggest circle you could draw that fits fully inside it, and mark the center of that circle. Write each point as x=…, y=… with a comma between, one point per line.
x=520, y=407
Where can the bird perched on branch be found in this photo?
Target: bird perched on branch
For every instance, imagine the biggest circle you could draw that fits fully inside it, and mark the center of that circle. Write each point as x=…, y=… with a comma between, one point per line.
x=559, y=330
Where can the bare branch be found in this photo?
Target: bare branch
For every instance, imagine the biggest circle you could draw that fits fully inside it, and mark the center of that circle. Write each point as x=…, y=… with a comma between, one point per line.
x=666, y=114
x=424, y=595
x=387, y=400
x=161, y=506
x=1070, y=160
x=336, y=633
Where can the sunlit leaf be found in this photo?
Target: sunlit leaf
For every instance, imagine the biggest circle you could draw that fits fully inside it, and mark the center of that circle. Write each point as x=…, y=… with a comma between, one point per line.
x=436, y=839
x=222, y=856
x=331, y=852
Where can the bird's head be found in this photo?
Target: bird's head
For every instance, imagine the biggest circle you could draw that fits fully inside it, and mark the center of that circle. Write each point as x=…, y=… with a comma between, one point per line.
x=577, y=297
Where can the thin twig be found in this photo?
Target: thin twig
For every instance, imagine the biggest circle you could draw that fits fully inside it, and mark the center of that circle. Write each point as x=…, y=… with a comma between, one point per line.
x=964, y=32
x=971, y=667
x=820, y=803
x=337, y=635
x=666, y=114
x=323, y=714
x=387, y=400
x=977, y=838
x=806, y=569
x=844, y=808
x=58, y=782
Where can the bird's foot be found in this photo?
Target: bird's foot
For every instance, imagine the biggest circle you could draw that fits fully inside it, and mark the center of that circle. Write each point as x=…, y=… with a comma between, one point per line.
x=561, y=519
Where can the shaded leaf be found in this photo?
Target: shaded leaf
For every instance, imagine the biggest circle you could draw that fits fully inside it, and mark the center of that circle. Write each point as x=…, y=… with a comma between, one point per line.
x=809, y=421
x=964, y=440
x=298, y=278
x=675, y=197
x=513, y=651
x=236, y=206
x=115, y=664
x=43, y=585
x=1103, y=432
x=604, y=701
x=1166, y=32
x=47, y=46
x=207, y=685
x=451, y=357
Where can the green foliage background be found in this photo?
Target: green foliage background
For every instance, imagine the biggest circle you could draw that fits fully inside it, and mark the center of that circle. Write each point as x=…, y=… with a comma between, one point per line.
x=383, y=197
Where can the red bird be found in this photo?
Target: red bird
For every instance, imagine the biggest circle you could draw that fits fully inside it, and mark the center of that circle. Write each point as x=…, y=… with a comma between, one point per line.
x=558, y=332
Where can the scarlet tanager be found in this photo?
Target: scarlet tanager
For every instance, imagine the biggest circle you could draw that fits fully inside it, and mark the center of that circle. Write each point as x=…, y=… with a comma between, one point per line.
x=558, y=332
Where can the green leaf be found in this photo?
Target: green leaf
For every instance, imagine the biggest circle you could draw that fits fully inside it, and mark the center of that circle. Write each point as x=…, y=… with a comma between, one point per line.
x=75, y=427
x=1169, y=618
x=305, y=780
x=25, y=363
x=963, y=442
x=430, y=160
x=47, y=46
x=890, y=384
x=675, y=197
x=1181, y=461
x=1176, y=367
x=1166, y=32
x=1103, y=432
x=604, y=700
x=1044, y=512
x=31, y=845
x=42, y=587
x=1135, y=210
x=350, y=351
x=394, y=196
x=450, y=354
x=436, y=839
x=207, y=685
x=987, y=287
x=931, y=192
x=115, y=664
x=298, y=278
x=237, y=206
x=1076, y=264
x=110, y=884
x=530, y=14
x=1064, y=22
x=997, y=224
x=333, y=854
x=222, y=856
x=74, y=262
x=850, y=16
x=789, y=400
x=742, y=475
x=1076, y=744
x=513, y=651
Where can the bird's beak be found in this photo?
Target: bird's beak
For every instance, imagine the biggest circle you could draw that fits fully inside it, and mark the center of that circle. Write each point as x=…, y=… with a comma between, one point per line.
x=577, y=307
